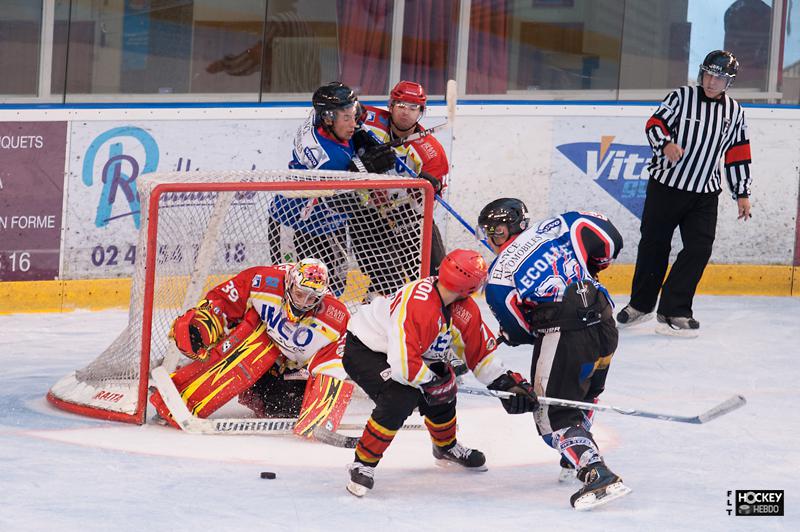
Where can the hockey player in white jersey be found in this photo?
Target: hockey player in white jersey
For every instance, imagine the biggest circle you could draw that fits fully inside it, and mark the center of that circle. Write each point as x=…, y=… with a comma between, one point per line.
x=543, y=290
x=399, y=351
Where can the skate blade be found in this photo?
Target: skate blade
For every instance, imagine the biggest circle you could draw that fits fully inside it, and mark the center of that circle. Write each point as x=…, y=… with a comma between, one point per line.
x=666, y=330
x=357, y=489
x=444, y=463
x=567, y=474
x=643, y=319
x=593, y=500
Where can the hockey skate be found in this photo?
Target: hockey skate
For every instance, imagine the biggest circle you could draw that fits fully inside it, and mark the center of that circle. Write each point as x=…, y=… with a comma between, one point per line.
x=361, y=479
x=600, y=486
x=630, y=316
x=677, y=326
x=471, y=459
x=568, y=472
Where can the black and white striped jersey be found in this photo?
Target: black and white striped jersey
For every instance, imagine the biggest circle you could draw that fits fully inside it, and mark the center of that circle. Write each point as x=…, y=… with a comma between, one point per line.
x=707, y=130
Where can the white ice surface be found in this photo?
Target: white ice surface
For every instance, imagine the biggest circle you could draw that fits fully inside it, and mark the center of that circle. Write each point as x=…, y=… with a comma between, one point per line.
x=63, y=472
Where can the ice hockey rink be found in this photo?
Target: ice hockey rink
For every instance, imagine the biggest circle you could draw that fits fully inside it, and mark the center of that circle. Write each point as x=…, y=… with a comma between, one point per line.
x=63, y=472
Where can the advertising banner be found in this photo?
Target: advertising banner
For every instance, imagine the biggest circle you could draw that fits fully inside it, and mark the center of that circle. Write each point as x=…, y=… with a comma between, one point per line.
x=103, y=214
x=31, y=198
x=600, y=164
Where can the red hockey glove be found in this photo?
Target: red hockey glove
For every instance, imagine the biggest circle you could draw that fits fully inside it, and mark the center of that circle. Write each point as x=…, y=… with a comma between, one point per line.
x=442, y=389
x=196, y=330
x=524, y=400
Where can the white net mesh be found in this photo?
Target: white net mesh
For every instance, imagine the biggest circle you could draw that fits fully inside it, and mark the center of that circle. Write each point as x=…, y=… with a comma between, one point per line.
x=370, y=239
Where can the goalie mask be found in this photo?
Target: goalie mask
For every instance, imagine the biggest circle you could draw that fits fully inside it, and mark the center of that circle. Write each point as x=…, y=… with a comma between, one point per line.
x=306, y=285
x=463, y=271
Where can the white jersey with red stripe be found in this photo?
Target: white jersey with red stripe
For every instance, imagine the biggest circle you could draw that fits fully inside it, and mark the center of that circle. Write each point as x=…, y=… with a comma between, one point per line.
x=312, y=341
x=414, y=329
x=425, y=154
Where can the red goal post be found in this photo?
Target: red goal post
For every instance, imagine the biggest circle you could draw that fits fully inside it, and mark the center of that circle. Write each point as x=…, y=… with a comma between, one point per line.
x=197, y=229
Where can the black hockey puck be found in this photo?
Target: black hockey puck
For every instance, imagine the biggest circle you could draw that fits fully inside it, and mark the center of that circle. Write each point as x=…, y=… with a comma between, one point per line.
x=267, y=474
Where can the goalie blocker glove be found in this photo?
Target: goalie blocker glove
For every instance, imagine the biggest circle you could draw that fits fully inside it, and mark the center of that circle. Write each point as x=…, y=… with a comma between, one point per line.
x=443, y=388
x=523, y=401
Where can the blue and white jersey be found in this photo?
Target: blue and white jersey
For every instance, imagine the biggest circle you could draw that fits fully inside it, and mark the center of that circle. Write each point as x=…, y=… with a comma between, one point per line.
x=540, y=263
x=312, y=151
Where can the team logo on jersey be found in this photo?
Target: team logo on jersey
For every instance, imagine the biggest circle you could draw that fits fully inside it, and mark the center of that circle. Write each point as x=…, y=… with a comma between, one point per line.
x=256, y=281
x=548, y=225
x=335, y=313
x=619, y=169
x=311, y=157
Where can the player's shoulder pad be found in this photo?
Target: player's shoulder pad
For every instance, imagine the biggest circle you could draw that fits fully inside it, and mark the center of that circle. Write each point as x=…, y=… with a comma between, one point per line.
x=333, y=312
x=571, y=216
x=267, y=278
x=465, y=311
x=375, y=116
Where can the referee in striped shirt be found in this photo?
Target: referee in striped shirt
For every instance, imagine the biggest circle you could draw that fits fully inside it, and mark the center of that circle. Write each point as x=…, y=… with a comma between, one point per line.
x=692, y=130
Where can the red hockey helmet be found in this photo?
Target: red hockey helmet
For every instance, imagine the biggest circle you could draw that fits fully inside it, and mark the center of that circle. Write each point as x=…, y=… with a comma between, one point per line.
x=463, y=271
x=408, y=91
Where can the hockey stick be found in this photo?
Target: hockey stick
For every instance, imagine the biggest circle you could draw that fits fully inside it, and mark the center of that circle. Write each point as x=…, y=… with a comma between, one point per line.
x=729, y=405
x=245, y=426
x=451, y=111
x=396, y=143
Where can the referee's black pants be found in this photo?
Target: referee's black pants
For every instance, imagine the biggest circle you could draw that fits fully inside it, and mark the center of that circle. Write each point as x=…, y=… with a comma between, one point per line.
x=666, y=208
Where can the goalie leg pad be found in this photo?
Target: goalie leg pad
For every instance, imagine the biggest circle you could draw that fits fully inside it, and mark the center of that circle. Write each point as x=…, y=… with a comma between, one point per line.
x=325, y=400
x=234, y=365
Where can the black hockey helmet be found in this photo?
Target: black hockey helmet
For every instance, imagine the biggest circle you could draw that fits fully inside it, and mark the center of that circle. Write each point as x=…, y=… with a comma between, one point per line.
x=509, y=211
x=719, y=63
x=335, y=95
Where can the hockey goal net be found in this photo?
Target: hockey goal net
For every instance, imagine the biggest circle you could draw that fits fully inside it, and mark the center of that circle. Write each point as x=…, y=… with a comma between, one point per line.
x=200, y=228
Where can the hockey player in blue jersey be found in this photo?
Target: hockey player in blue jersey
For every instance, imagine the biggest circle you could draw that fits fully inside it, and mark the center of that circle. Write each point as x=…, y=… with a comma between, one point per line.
x=543, y=290
x=325, y=142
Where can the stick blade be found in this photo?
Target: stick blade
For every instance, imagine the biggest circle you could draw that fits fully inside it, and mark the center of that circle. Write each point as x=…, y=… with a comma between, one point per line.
x=729, y=405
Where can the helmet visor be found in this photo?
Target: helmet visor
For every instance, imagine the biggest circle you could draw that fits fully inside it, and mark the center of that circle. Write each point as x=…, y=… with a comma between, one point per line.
x=488, y=232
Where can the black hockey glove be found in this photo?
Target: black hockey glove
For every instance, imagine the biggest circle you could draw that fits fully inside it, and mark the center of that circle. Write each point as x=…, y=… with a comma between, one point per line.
x=524, y=399
x=434, y=181
x=443, y=388
x=378, y=158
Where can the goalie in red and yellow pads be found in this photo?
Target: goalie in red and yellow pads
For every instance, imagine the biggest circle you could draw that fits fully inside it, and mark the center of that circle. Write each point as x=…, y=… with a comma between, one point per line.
x=259, y=335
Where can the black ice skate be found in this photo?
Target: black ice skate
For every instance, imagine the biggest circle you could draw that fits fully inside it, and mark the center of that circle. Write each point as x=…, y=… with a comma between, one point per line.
x=471, y=459
x=677, y=326
x=600, y=486
x=630, y=316
x=361, y=479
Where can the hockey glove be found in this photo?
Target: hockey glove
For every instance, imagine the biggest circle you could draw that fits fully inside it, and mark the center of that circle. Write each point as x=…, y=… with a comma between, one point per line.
x=443, y=388
x=434, y=181
x=378, y=158
x=196, y=330
x=524, y=399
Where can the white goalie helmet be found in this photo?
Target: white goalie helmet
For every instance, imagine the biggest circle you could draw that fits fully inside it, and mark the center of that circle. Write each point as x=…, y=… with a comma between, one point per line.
x=306, y=285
